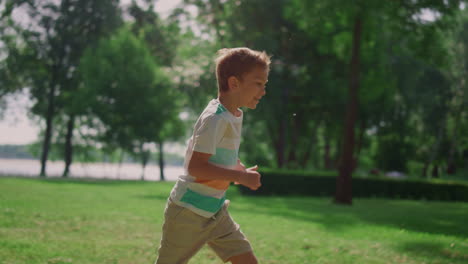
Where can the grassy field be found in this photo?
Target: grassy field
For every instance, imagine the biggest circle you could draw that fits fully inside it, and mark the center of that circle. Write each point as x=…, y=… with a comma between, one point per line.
x=71, y=221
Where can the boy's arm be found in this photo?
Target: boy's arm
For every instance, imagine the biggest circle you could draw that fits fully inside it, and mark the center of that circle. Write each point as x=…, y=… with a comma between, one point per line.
x=200, y=168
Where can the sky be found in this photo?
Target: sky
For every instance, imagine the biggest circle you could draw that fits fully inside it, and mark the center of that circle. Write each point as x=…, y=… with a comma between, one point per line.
x=16, y=128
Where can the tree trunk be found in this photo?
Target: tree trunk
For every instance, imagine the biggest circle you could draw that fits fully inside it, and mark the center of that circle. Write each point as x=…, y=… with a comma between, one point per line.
x=338, y=152
x=451, y=166
x=280, y=144
x=161, y=162
x=292, y=156
x=310, y=146
x=359, y=145
x=362, y=129
x=48, y=132
x=435, y=171
x=69, y=145
x=424, y=170
x=435, y=148
x=343, y=184
x=144, y=161
x=326, y=155
x=278, y=147
x=122, y=153
x=143, y=167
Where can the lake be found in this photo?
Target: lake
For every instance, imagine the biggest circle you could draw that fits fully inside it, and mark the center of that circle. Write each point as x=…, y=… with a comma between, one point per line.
x=125, y=171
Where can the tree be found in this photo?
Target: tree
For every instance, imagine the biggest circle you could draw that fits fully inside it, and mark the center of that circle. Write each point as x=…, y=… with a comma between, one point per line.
x=129, y=93
x=355, y=18
x=457, y=125
x=10, y=67
x=38, y=58
x=80, y=25
x=313, y=63
x=415, y=127
x=47, y=51
x=162, y=37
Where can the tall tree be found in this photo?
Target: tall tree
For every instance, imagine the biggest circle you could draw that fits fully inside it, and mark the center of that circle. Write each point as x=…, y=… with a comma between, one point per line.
x=343, y=185
x=81, y=24
x=355, y=17
x=458, y=115
x=129, y=93
x=162, y=38
x=49, y=48
x=40, y=56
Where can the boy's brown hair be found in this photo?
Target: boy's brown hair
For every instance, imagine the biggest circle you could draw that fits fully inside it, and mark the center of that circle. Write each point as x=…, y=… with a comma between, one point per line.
x=237, y=62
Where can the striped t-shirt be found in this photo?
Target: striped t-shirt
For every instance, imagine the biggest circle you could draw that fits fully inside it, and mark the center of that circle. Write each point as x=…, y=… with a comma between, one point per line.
x=217, y=132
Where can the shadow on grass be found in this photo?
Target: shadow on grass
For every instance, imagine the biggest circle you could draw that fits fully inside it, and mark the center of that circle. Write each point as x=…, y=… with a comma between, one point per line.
x=433, y=251
x=426, y=217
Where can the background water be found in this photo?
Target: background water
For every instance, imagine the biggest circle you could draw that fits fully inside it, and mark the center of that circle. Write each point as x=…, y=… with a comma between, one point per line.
x=126, y=171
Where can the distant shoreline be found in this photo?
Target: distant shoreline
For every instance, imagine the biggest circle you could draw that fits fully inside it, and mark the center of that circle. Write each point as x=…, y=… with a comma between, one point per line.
x=97, y=170
x=92, y=162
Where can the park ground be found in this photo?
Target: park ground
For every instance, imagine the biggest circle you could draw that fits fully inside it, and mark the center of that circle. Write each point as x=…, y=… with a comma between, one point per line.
x=98, y=221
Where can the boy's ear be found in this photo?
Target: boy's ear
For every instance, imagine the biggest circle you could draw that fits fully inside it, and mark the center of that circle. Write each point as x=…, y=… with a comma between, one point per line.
x=233, y=82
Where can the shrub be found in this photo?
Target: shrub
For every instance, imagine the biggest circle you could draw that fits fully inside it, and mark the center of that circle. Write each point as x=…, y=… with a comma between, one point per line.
x=299, y=183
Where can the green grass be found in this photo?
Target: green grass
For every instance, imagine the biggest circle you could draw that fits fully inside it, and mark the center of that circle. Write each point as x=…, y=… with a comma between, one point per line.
x=77, y=221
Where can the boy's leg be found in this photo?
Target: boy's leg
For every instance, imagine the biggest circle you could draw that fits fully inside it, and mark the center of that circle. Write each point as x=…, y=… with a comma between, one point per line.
x=246, y=258
x=228, y=242
x=183, y=235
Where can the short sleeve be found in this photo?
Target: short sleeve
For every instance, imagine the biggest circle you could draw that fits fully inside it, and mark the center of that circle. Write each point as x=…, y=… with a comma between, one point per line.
x=209, y=135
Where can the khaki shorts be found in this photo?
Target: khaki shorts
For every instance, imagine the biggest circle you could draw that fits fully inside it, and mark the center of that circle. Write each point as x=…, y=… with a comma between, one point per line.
x=185, y=233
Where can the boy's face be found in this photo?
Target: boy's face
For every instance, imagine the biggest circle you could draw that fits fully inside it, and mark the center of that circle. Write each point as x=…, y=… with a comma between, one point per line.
x=252, y=87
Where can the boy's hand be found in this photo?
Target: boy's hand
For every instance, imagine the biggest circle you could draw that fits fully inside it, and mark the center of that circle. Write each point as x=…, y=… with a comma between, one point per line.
x=239, y=167
x=251, y=178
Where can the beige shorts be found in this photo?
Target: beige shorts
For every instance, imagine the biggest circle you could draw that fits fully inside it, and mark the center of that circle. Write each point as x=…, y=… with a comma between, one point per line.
x=185, y=233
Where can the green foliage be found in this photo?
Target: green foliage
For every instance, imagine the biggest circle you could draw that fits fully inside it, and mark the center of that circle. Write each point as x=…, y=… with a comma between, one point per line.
x=46, y=47
x=10, y=78
x=403, y=68
x=129, y=93
x=412, y=97
x=161, y=37
x=297, y=92
x=48, y=53
x=277, y=182
x=403, y=97
x=392, y=153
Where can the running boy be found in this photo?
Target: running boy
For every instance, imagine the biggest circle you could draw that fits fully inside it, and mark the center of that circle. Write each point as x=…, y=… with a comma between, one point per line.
x=196, y=212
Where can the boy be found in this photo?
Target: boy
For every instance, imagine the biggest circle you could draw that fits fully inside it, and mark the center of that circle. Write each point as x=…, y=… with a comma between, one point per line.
x=196, y=211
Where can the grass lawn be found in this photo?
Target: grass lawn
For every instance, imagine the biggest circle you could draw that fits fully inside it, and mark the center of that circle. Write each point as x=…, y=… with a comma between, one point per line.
x=78, y=221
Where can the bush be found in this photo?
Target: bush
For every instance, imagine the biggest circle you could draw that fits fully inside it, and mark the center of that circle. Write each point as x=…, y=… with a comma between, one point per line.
x=281, y=182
